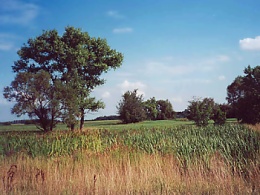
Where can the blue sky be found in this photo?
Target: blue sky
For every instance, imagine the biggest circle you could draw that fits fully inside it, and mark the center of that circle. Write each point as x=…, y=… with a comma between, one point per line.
x=173, y=49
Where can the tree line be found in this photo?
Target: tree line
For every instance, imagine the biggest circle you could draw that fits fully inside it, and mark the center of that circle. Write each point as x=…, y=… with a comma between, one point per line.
x=132, y=108
x=243, y=96
x=55, y=75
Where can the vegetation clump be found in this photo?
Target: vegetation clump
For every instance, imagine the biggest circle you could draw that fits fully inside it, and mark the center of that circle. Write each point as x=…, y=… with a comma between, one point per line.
x=132, y=108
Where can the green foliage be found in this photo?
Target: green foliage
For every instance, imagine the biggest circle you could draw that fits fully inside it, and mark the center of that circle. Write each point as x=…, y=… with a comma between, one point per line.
x=158, y=109
x=130, y=108
x=75, y=61
x=200, y=111
x=244, y=96
x=219, y=115
x=237, y=144
x=150, y=107
x=36, y=96
x=165, y=110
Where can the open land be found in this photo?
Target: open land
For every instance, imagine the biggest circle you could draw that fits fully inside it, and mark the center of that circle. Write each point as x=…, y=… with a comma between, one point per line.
x=151, y=157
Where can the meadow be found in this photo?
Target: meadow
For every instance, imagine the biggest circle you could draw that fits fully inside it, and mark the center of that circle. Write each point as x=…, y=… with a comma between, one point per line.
x=152, y=157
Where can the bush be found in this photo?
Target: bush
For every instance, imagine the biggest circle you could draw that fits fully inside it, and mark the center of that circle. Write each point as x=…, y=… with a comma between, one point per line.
x=219, y=116
x=130, y=108
x=200, y=111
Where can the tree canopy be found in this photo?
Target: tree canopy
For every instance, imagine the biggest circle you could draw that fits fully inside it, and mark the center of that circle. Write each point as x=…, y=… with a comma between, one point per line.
x=35, y=96
x=158, y=109
x=74, y=60
x=130, y=108
x=201, y=111
x=243, y=94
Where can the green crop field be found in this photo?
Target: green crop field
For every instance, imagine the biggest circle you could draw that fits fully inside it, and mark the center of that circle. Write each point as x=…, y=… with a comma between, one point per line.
x=106, y=124
x=152, y=157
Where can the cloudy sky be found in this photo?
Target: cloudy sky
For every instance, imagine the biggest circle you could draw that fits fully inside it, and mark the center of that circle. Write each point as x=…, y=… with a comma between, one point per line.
x=173, y=49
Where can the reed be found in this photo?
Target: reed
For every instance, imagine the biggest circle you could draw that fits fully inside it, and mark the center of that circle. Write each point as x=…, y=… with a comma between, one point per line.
x=130, y=174
x=159, y=160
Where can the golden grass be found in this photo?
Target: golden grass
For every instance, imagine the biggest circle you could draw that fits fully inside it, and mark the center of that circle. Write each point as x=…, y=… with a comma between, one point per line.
x=126, y=172
x=255, y=127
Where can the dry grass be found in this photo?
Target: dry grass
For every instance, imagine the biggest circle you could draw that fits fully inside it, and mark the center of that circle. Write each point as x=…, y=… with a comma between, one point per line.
x=120, y=172
x=255, y=127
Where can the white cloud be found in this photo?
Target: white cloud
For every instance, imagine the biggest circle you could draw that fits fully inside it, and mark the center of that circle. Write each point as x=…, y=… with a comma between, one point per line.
x=6, y=46
x=177, y=100
x=178, y=67
x=250, y=43
x=221, y=78
x=215, y=60
x=106, y=94
x=223, y=58
x=7, y=42
x=126, y=85
x=161, y=67
x=122, y=30
x=114, y=14
x=17, y=12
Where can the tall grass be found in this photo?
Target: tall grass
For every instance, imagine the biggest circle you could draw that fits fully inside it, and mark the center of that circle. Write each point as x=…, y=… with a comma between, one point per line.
x=158, y=160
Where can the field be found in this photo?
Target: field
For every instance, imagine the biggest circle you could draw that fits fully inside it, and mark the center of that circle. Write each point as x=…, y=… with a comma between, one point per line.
x=152, y=157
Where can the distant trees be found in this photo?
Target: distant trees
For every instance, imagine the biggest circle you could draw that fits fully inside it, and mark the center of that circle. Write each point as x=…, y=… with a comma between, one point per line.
x=164, y=110
x=158, y=109
x=151, y=110
x=132, y=108
x=201, y=111
x=243, y=94
x=219, y=114
x=72, y=64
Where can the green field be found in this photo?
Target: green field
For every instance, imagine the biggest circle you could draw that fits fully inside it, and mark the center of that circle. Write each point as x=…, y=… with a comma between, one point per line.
x=151, y=157
x=108, y=124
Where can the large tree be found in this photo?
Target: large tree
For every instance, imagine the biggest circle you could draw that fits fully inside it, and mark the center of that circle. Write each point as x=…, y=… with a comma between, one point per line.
x=36, y=96
x=76, y=60
x=243, y=94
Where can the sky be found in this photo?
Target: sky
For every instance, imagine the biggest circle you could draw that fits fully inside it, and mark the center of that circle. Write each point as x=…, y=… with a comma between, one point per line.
x=173, y=49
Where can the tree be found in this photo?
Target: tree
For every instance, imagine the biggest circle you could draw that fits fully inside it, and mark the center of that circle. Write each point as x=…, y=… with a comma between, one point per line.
x=165, y=110
x=243, y=94
x=228, y=110
x=158, y=109
x=234, y=95
x=76, y=60
x=36, y=96
x=150, y=106
x=200, y=111
x=219, y=114
x=130, y=108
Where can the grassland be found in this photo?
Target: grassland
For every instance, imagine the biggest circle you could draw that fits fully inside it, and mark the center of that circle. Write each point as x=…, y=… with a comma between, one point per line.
x=109, y=124
x=159, y=157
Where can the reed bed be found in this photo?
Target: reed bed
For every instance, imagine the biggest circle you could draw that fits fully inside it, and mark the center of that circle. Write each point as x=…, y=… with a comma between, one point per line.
x=176, y=160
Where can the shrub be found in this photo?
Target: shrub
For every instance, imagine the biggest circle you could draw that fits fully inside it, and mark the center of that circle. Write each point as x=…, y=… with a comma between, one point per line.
x=130, y=108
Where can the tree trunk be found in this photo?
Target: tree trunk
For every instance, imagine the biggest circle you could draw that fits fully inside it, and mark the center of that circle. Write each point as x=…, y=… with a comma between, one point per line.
x=72, y=127
x=82, y=119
